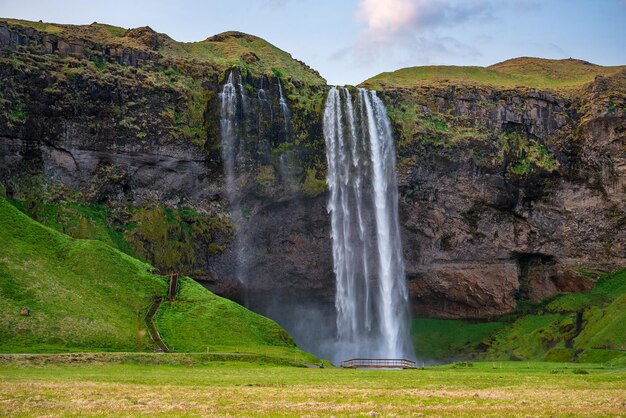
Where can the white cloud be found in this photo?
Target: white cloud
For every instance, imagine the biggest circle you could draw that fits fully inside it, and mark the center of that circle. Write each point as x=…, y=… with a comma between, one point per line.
x=387, y=16
x=415, y=30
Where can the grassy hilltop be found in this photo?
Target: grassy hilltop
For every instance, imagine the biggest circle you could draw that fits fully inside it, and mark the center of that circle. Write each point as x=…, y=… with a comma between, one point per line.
x=538, y=73
x=223, y=51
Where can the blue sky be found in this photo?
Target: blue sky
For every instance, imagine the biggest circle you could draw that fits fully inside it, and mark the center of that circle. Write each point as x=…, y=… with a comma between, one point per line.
x=348, y=41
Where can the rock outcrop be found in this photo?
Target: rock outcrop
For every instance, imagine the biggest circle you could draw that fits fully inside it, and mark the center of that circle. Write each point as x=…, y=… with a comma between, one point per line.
x=535, y=193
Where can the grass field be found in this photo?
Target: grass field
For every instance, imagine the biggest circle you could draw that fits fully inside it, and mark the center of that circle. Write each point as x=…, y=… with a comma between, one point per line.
x=236, y=389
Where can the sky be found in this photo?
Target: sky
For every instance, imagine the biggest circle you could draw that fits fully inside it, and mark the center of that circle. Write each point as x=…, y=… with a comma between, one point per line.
x=349, y=41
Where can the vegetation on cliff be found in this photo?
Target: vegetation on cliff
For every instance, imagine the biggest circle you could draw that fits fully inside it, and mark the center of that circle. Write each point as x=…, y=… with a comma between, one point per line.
x=224, y=51
x=172, y=239
x=529, y=126
x=141, y=91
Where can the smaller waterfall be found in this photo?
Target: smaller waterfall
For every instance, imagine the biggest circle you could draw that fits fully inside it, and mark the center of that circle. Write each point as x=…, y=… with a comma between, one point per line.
x=263, y=103
x=229, y=126
x=248, y=132
x=232, y=110
x=242, y=92
x=284, y=109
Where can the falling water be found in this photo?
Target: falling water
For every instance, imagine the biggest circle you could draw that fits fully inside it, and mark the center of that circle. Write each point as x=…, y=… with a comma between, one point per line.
x=230, y=132
x=284, y=109
x=242, y=93
x=371, y=299
x=263, y=102
x=285, y=160
x=232, y=154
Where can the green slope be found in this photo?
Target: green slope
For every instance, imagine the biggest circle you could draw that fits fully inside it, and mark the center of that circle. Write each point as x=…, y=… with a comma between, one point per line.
x=519, y=72
x=84, y=295
x=587, y=327
x=226, y=50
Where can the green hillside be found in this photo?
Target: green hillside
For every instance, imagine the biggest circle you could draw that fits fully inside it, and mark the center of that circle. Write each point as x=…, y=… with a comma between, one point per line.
x=587, y=327
x=226, y=50
x=518, y=72
x=83, y=295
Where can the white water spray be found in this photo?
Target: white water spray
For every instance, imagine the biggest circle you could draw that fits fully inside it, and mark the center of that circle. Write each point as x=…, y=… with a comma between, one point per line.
x=230, y=133
x=371, y=299
x=284, y=109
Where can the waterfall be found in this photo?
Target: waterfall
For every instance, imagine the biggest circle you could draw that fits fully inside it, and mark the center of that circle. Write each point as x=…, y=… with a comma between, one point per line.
x=263, y=101
x=232, y=109
x=371, y=298
x=229, y=128
x=284, y=109
x=242, y=117
x=242, y=92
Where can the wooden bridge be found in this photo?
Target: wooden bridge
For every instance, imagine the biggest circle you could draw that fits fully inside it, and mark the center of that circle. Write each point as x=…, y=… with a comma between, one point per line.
x=378, y=363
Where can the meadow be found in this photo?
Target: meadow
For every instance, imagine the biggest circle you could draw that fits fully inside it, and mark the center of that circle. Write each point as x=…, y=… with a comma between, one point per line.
x=234, y=388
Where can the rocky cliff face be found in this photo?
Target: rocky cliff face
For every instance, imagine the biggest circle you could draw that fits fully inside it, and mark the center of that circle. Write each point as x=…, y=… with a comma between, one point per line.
x=505, y=193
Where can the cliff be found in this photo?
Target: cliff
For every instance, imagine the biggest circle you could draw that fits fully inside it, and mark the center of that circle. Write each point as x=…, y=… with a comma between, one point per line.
x=511, y=178
x=508, y=192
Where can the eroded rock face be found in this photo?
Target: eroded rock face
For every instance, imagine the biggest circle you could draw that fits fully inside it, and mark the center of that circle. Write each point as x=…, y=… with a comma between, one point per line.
x=463, y=205
x=285, y=250
x=464, y=290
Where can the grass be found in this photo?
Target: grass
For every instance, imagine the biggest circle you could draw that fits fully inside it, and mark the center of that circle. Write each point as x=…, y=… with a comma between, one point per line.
x=445, y=338
x=543, y=332
x=603, y=335
x=531, y=336
x=246, y=389
x=519, y=72
x=84, y=295
x=81, y=294
x=78, y=220
x=229, y=49
x=199, y=321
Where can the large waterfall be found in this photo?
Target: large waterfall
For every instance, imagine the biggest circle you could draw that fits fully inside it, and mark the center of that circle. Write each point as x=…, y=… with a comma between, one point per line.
x=371, y=299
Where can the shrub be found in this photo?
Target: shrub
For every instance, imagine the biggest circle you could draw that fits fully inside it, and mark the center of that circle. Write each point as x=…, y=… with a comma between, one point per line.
x=312, y=185
x=462, y=364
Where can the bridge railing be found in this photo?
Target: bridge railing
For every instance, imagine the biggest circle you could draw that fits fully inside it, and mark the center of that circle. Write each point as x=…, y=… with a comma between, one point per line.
x=378, y=363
